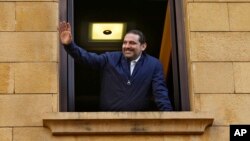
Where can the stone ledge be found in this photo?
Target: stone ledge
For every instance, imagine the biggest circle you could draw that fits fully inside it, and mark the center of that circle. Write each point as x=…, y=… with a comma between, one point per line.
x=127, y=123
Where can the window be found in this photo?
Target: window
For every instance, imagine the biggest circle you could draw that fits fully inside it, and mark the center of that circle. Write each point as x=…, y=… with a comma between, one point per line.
x=160, y=20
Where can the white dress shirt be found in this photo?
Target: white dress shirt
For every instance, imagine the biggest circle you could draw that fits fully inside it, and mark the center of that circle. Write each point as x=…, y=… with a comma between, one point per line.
x=133, y=63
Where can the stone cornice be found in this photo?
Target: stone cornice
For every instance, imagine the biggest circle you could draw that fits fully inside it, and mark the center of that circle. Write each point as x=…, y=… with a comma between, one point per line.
x=129, y=123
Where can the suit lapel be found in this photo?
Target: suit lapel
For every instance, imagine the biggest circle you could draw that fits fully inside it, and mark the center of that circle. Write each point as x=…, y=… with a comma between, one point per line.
x=138, y=66
x=126, y=67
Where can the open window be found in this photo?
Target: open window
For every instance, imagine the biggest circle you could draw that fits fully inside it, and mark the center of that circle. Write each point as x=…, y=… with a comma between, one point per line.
x=160, y=20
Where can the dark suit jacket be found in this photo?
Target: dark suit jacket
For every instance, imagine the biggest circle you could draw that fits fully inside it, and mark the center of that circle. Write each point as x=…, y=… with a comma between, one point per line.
x=121, y=91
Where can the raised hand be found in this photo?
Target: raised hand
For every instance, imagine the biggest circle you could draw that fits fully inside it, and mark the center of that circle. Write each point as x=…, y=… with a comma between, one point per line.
x=65, y=33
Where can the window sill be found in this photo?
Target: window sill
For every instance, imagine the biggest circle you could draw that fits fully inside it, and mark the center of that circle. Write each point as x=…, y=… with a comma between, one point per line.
x=127, y=123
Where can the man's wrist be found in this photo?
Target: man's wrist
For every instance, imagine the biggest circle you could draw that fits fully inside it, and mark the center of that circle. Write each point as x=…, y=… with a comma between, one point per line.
x=67, y=44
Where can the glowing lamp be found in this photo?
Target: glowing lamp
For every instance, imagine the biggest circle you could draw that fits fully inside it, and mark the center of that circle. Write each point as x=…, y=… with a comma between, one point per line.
x=106, y=31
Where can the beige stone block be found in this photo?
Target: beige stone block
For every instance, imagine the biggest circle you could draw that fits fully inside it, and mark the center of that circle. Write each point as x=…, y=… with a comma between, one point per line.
x=7, y=16
x=37, y=134
x=24, y=110
x=36, y=16
x=239, y=16
x=121, y=138
x=5, y=134
x=31, y=134
x=219, y=46
x=242, y=77
x=211, y=134
x=215, y=133
x=226, y=108
x=43, y=134
x=6, y=78
x=36, y=78
x=213, y=77
x=208, y=17
x=28, y=46
x=55, y=102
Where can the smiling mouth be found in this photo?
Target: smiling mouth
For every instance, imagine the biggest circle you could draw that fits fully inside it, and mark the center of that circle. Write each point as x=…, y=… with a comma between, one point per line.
x=128, y=52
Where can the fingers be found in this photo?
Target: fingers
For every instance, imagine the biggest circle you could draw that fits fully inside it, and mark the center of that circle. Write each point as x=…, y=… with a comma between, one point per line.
x=63, y=26
x=68, y=27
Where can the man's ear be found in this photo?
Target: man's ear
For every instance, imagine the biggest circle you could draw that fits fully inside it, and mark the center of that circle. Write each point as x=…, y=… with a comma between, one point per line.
x=144, y=46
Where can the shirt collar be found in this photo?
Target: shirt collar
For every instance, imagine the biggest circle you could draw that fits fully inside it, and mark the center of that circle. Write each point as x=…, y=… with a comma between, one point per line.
x=137, y=59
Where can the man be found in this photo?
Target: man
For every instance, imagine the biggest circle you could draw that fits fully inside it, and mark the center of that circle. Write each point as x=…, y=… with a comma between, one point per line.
x=129, y=78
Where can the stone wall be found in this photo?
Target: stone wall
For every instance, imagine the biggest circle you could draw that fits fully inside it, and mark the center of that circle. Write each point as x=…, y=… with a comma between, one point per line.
x=218, y=40
x=219, y=60
x=28, y=67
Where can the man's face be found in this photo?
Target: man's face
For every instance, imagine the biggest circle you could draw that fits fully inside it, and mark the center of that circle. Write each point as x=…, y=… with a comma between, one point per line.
x=131, y=46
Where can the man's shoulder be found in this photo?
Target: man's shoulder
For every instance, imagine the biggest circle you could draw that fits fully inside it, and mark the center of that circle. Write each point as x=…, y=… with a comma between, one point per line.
x=113, y=56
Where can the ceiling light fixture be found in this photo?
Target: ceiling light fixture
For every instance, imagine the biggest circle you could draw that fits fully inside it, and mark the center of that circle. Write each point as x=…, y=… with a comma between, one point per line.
x=106, y=31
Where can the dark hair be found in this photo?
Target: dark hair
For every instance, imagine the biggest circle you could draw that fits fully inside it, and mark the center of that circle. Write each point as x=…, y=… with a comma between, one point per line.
x=142, y=38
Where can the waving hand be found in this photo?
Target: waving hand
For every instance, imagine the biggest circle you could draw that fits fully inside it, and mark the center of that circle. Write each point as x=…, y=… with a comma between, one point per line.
x=65, y=33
